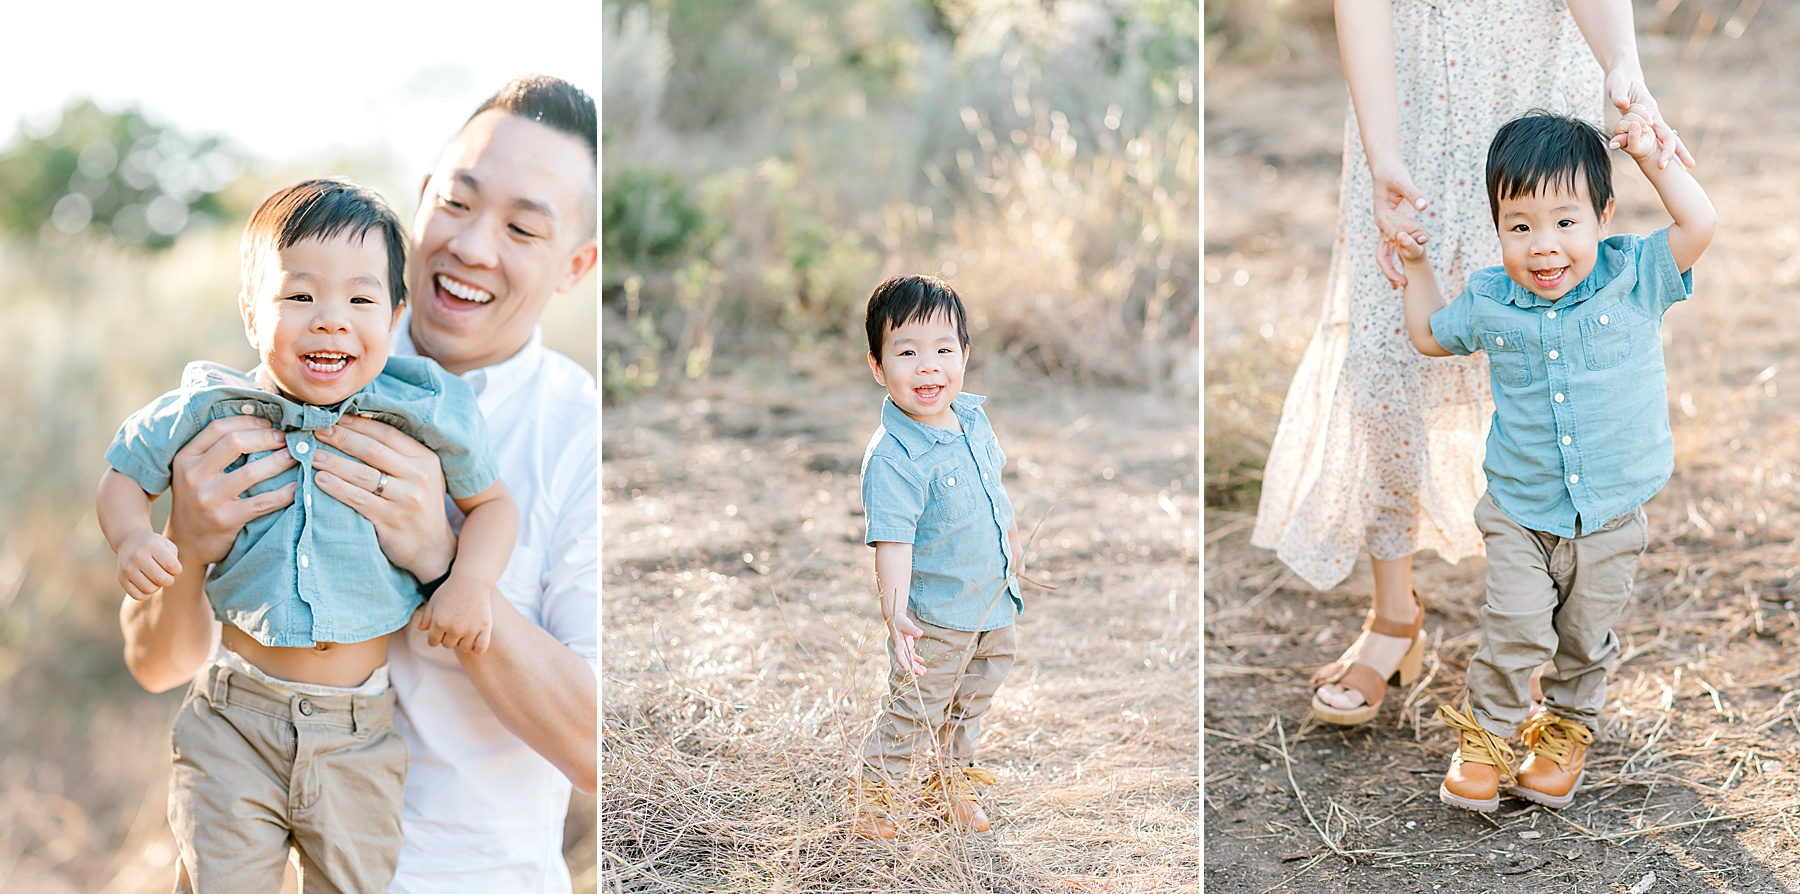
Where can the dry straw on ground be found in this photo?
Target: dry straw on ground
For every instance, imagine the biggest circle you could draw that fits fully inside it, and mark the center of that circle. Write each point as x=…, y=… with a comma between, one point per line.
x=745, y=659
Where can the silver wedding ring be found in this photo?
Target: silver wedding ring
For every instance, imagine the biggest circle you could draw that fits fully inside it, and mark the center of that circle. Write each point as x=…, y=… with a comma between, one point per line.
x=380, y=484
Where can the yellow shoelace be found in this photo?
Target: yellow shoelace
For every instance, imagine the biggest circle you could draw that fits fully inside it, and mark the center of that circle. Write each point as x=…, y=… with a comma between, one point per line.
x=958, y=783
x=1548, y=735
x=1478, y=745
x=876, y=793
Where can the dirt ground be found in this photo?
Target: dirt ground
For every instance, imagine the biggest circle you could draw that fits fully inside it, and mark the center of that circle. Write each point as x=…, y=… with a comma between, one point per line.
x=1695, y=784
x=744, y=655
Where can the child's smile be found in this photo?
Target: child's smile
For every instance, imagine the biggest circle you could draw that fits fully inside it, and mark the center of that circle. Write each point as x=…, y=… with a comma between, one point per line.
x=922, y=366
x=322, y=318
x=1549, y=241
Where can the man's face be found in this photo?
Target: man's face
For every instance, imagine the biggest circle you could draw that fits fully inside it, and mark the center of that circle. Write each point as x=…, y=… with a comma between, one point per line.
x=503, y=224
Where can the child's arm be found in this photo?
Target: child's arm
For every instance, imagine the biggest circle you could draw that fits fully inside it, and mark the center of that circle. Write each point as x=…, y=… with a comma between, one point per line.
x=147, y=560
x=1687, y=204
x=1423, y=298
x=459, y=615
x=893, y=580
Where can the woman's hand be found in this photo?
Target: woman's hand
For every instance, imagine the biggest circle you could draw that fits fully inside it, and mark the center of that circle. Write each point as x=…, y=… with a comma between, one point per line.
x=398, y=486
x=1626, y=88
x=1396, y=199
x=205, y=509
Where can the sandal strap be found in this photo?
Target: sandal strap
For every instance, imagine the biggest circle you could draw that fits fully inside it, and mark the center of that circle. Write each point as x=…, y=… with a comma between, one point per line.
x=1399, y=629
x=1478, y=746
x=1366, y=680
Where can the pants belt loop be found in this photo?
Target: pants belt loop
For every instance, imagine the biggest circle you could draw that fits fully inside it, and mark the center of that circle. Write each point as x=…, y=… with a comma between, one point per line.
x=221, y=686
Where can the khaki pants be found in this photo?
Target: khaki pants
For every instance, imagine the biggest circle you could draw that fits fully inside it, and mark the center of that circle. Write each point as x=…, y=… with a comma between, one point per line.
x=963, y=670
x=1550, y=597
x=256, y=770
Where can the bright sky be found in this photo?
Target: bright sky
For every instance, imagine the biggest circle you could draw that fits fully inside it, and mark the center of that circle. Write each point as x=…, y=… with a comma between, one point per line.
x=293, y=81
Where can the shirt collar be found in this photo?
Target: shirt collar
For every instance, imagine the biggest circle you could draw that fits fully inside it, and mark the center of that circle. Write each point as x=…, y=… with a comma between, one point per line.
x=916, y=437
x=1611, y=273
x=493, y=384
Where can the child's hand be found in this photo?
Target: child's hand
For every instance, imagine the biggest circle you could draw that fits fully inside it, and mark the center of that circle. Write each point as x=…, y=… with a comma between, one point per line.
x=459, y=617
x=1635, y=133
x=147, y=563
x=1407, y=237
x=904, y=634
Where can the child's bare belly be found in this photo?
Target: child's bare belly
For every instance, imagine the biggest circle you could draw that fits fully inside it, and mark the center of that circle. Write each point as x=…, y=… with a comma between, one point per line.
x=327, y=664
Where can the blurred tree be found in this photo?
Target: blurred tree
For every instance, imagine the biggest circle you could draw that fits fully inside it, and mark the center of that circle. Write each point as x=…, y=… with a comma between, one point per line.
x=113, y=173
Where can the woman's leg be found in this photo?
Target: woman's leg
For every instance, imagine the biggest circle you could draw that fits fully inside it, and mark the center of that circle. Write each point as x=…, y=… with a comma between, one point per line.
x=1393, y=602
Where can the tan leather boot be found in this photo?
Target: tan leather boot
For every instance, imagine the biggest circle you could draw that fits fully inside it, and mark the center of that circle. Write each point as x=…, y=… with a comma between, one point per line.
x=872, y=810
x=1478, y=767
x=1553, y=770
x=952, y=793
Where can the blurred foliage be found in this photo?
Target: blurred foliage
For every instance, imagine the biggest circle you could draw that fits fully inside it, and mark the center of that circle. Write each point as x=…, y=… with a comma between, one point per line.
x=116, y=173
x=774, y=161
x=1271, y=30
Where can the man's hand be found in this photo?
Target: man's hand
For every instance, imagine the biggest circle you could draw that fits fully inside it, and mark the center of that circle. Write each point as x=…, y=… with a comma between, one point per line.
x=459, y=617
x=147, y=563
x=398, y=486
x=904, y=636
x=206, y=510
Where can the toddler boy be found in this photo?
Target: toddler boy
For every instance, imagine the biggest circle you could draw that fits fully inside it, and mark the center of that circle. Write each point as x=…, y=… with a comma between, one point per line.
x=946, y=553
x=1572, y=324
x=287, y=735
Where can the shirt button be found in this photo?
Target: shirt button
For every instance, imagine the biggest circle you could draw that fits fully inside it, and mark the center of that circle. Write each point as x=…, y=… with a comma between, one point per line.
x=1552, y=355
x=1559, y=400
x=309, y=500
x=247, y=409
x=305, y=707
x=1499, y=341
x=304, y=561
x=1603, y=319
x=1574, y=478
x=1565, y=441
x=1551, y=315
x=951, y=481
x=302, y=448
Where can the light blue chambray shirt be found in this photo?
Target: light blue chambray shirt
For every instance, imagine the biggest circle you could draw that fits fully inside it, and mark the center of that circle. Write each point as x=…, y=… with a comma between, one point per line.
x=940, y=491
x=312, y=572
x=1581, y=408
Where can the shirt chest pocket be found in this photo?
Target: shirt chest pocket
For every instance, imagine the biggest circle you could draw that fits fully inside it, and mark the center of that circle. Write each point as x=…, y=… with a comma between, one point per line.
x=1606, y=337
x=952, y=496
x=1506, y=354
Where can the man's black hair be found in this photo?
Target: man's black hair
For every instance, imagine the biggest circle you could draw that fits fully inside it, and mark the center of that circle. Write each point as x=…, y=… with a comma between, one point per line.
x=323, y=209
x=912, y=298
x=560, y=106
x=552, y=102
x=1543, y=150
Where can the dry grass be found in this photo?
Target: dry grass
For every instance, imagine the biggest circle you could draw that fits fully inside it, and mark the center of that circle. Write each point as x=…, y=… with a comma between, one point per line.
x=1694, y=778
x=744, y=661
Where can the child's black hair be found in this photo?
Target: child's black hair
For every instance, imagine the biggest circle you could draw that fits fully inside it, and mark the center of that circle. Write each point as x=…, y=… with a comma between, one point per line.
x=323, y=208
x=1543, y=150
x=911, y=298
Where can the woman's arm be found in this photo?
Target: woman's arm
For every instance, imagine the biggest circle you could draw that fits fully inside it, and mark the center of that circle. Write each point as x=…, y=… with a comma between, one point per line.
x=1607, y=27
x=1365, y=30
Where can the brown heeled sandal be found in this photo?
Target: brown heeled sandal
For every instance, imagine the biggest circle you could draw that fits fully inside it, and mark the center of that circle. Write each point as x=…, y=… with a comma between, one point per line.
x=1368, y=680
